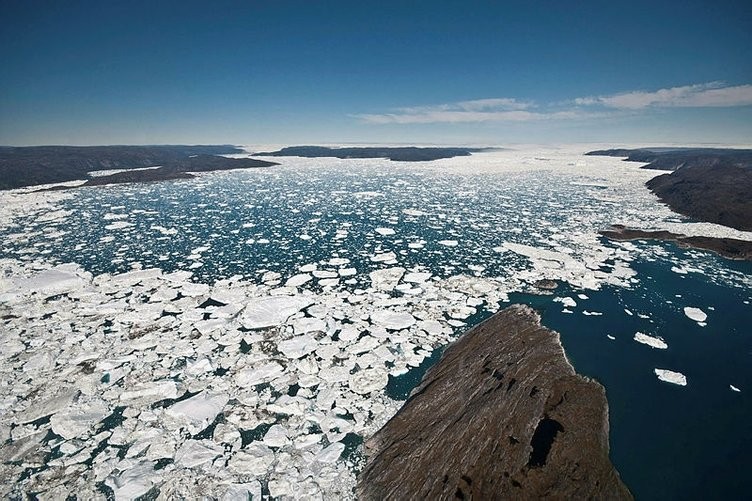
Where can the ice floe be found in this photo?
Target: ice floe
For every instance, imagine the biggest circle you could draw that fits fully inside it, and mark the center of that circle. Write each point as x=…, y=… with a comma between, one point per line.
x=671, y=376
x=695, y=314
x=652, y=341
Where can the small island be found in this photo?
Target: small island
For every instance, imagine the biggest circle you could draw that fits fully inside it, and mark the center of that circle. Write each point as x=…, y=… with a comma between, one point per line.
x=395, y=154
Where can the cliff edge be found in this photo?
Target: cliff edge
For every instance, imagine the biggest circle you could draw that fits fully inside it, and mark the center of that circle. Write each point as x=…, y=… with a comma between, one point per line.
x=502, y=415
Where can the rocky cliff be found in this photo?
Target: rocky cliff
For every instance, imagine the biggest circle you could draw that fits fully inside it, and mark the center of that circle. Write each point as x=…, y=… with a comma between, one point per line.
x=502, y=415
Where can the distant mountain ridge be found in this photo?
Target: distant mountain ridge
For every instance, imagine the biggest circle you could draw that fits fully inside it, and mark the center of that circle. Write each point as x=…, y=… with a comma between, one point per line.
x=33, y=165
x=396, y=154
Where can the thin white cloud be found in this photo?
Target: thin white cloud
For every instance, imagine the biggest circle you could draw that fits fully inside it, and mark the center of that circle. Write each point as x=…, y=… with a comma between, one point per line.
x=713, y=94
x=479, y=110
x=505, y=109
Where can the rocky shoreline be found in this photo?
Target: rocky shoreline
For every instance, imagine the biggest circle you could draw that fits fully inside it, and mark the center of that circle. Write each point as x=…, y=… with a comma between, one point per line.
x=709, y=184
x=502, y=414
x=730, y=248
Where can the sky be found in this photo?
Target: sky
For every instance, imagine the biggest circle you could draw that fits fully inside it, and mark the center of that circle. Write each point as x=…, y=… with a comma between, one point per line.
x=320, y=72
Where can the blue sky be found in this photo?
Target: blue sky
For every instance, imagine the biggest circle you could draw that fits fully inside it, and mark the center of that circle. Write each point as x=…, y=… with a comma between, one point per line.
x=447, y=72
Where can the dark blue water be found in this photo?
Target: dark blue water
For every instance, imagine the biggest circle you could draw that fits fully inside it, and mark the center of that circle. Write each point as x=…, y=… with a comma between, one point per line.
x=668, y=441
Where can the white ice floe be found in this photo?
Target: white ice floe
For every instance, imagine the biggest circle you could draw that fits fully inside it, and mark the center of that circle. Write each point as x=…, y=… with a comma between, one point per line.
x=272, y=311
x=149, y=392
x=197, y=412
x=448, y=243
x=671, y=376
x=695, y=314
x=368, y=380
x=734, y=388
x=385, y=231
x=566, y=301
x=386, y=279
x=394, y=320
x=652, y=341
x=262, y=373
x=298, y=347
x=78, y=421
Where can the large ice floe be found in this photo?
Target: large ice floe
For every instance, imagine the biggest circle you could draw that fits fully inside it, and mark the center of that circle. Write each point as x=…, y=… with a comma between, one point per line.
x=238, y=334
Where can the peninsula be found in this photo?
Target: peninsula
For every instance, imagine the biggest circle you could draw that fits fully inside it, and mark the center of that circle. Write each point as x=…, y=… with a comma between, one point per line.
x=35, y=165
x=502, y=415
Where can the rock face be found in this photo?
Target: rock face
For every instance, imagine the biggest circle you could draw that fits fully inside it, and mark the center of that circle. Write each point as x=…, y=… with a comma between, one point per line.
x=726, y=247
x=709, y=184
x=501, y=415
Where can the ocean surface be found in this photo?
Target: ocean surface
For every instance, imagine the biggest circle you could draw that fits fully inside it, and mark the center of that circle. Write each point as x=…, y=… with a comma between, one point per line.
x=484, y=217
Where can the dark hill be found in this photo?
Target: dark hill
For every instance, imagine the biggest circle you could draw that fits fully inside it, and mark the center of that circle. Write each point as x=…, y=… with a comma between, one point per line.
x=397, y=154
x=707, y=184
x=33, y=165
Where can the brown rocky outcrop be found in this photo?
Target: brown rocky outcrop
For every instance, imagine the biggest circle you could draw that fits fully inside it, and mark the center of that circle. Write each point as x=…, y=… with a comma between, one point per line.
x=502, y=415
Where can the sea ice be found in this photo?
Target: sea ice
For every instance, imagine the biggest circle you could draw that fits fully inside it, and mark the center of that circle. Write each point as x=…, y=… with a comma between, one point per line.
x=653, y=342
x=671, y=376
x=195, y=453
x=695, y=314
x=260, y=374
x=199, y=411
x=271, y=311
x=79, y=420
x=386, y=279
x=298, y=347
x=368, y=380
x=394, y=320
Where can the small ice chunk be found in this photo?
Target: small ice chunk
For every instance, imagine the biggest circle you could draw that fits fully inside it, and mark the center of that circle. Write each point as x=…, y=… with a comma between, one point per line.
x=308, y=324
x=194, y=453
x=78, y=420
x=695, y=314
x=257, y=375
x=347, y=272
x=448, y=243
x=298, y=280
x=298, y=347
x=394, y=320
x=384, y=257
x=331, y=454
x=134, y=482
x=244, y=491
x=151, y=391
x=566, y=301
x=734, y=388
x=417, y=278
x=653, y=342
x=276, y=436
x=610, y=337
x=385, y=231
x=671, y=376
x=199, y=411
x=386, y=279
x=368, y=380
x=272, y=311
